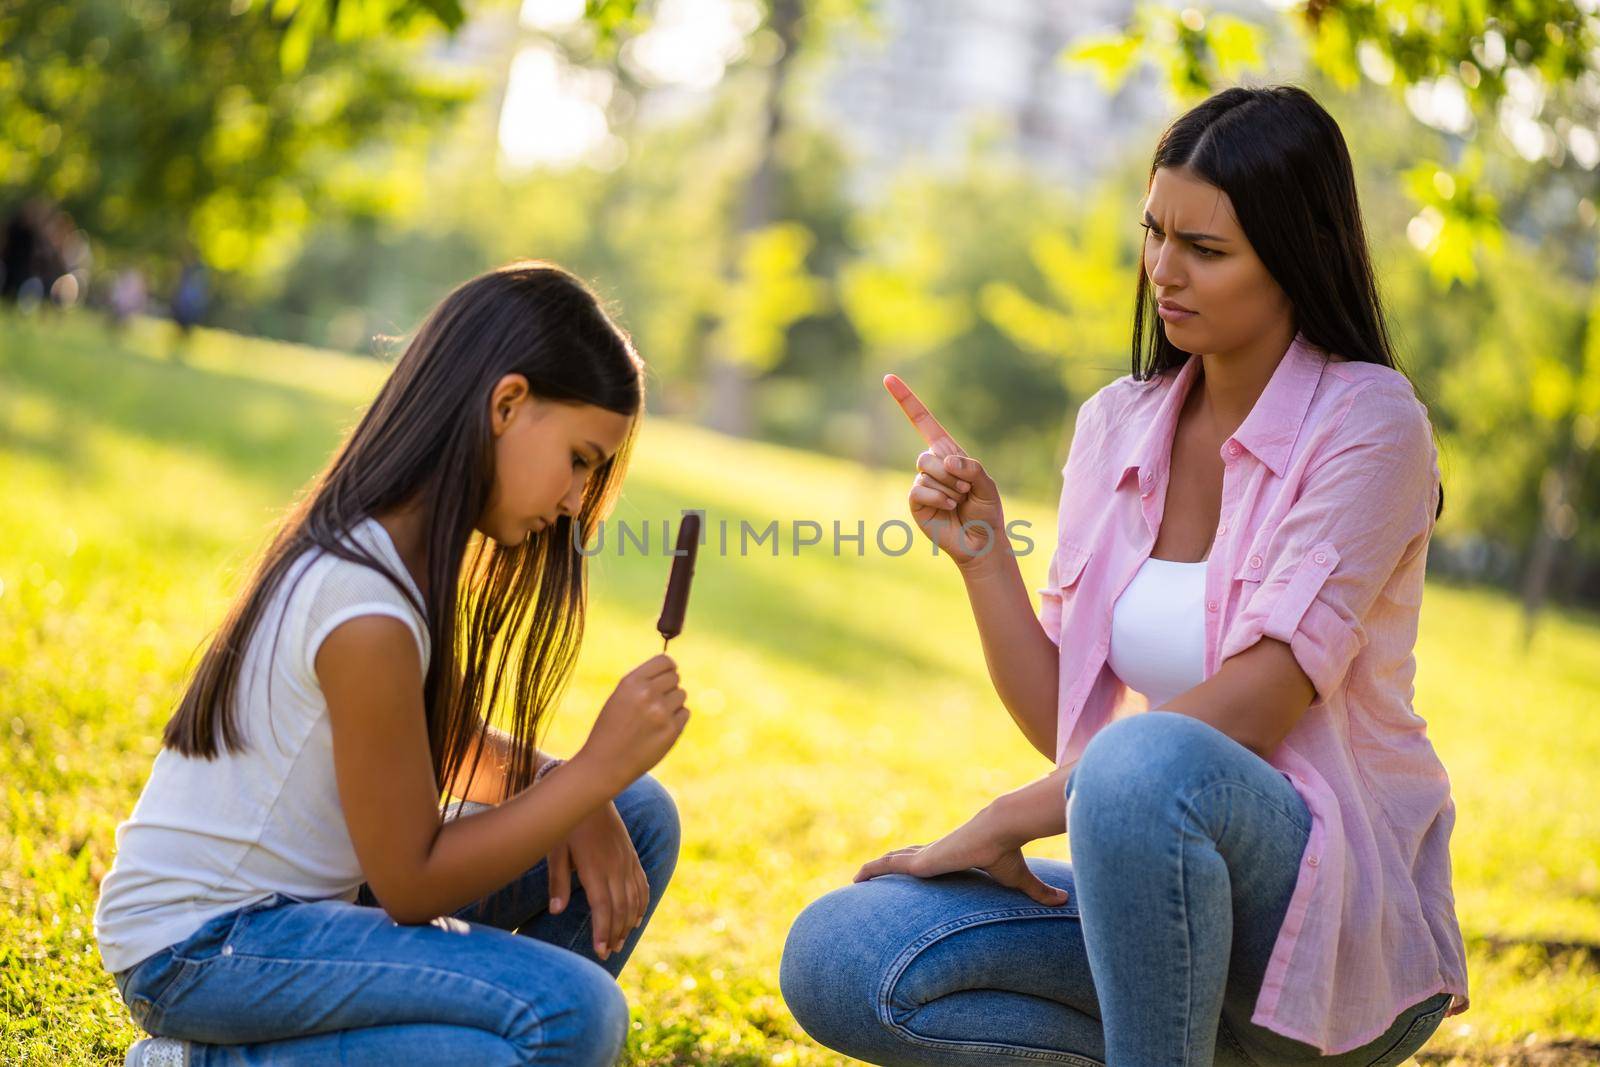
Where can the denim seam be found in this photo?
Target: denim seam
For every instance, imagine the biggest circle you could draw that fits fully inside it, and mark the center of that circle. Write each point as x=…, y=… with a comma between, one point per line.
x=1233, y=1042
x=939, y=933
x=1266, y=800
x=1411, y=1031
x=421, y=968
x=1183, y=912
x=1183, y=895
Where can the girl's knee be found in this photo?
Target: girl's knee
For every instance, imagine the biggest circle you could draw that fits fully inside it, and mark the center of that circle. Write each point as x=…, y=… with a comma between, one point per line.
x=584, y=1022
x=652, y=819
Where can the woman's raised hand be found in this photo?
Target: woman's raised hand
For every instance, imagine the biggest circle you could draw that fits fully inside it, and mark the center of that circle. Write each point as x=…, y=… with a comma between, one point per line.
x=953, y=500
x=639, y=723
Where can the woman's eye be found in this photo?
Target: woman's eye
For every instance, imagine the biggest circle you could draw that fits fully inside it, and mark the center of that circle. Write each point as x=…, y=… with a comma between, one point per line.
x=1205, y=253
x=579, y=461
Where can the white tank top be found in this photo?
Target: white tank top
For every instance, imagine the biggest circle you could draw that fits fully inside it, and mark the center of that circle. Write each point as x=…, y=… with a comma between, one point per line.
x=1158, y=629
x=209, y=836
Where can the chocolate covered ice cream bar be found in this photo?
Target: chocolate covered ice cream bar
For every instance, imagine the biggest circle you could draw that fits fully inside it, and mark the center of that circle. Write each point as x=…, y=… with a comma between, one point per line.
x=670, y=624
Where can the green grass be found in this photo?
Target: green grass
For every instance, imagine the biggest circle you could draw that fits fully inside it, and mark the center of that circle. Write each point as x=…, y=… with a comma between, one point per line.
x=841, y=704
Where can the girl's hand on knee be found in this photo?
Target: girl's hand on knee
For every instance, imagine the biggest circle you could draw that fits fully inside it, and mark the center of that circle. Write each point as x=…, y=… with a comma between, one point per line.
x=601, y=850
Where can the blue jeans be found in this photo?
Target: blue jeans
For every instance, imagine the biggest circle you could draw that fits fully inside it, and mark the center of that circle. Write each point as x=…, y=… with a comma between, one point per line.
x=1185, y=846
x=503, y=981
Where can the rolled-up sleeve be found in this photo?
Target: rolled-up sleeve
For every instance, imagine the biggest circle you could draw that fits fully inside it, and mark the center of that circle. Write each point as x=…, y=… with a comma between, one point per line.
x=1359, y=512
x=1077, y=475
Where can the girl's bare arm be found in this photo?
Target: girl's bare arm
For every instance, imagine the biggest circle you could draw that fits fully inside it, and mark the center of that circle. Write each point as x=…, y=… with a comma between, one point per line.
x=371, y=675
x=487, y=784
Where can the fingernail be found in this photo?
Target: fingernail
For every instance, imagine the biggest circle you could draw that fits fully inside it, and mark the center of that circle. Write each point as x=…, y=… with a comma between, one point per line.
x=949, y=502
x=963, y=486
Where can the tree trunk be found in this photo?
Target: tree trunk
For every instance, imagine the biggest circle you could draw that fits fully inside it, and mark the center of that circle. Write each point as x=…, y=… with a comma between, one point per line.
x=731, y=381
x=1557, y=523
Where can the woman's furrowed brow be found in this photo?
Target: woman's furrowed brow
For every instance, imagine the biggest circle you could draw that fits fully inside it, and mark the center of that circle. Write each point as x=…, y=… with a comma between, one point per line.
x=1188, y=235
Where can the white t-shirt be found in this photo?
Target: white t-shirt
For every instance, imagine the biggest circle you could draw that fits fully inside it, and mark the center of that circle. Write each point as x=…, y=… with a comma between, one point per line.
x=1158, y=629
x=209, y=836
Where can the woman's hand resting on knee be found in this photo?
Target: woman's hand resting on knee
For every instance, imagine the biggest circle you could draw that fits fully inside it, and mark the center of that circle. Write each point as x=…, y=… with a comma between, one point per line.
x=981, y=842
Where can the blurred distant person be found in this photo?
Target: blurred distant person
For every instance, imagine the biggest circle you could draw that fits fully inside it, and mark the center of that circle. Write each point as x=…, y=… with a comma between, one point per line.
x=129, y=296
x=33, y=260
x=193, y=294
x=189, y=300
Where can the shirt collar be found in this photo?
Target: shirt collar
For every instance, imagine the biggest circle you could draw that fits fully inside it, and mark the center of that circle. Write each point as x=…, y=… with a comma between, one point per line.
x=1268, y=432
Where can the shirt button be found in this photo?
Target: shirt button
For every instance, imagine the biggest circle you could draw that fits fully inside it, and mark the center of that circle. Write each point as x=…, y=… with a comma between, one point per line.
x=1233, y=448
x=1255, y=561
x=1321, y=557
x=1313, y=861
x=227, y=950
x=1211, y=605
x=1222, y=528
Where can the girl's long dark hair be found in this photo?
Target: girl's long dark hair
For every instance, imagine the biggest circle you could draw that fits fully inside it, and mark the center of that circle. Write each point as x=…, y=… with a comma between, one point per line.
x=1283, y=162
x=492, y=612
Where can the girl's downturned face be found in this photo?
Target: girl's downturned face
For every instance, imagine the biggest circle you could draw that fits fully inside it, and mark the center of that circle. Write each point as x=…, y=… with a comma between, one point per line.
x=545, y=453
x=1196, y=256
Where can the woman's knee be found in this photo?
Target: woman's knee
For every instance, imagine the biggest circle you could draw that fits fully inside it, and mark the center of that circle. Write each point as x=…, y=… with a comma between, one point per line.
x=829, y=973
x=1152, y=749
x=1139, y=768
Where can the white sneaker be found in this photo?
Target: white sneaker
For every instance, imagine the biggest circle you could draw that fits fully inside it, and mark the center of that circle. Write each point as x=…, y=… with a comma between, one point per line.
x=157, y=1052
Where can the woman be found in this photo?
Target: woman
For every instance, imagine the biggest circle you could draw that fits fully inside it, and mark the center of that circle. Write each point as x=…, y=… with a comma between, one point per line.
x=1260, y=860
x=287, y=890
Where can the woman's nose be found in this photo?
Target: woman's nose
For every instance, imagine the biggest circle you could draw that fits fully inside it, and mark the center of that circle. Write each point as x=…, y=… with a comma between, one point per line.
x=1164, y=273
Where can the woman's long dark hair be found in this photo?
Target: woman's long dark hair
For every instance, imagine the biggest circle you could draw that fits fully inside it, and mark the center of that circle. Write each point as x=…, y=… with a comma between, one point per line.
x=426, y=439
x=1282, y=161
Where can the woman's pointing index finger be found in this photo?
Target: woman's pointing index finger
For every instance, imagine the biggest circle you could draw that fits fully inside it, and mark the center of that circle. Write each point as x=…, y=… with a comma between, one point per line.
x=938, y=438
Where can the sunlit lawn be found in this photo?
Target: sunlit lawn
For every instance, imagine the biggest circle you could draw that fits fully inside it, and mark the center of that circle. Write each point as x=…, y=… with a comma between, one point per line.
x=841, y=703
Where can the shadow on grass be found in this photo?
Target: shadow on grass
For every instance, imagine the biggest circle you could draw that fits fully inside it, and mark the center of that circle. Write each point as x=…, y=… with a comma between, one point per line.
x=272, y=434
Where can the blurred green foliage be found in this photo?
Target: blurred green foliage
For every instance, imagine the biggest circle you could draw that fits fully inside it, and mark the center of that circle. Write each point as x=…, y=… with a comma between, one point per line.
x=163, y=126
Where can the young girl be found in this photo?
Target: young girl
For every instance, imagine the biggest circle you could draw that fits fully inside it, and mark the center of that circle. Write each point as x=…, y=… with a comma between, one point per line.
x=1260, y=859
x=287, y=889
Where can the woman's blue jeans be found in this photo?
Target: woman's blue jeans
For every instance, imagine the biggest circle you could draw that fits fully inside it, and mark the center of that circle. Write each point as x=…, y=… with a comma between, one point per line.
x=1185, y=846
x=503, y=981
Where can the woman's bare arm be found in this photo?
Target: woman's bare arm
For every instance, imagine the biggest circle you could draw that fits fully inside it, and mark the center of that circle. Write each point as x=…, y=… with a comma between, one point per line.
x=371, y=675
x=1023, y=661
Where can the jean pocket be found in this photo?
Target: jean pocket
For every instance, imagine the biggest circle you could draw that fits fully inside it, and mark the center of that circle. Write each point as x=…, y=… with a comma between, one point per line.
x=1416, y=1035
x=144, y=984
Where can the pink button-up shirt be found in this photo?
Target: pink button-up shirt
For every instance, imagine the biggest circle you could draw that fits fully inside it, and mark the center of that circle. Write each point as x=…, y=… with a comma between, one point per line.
x=1329, y=489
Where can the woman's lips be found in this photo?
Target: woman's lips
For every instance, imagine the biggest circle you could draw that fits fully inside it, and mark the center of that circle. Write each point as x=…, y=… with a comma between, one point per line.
x=1172, y=314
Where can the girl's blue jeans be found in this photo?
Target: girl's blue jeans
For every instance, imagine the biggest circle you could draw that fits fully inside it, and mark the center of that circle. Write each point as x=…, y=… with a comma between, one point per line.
x=1185, y=850
x=502, y=981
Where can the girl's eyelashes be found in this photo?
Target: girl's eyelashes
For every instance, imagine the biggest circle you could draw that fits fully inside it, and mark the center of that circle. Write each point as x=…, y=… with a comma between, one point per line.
x=1206, y=253
x=578, y=460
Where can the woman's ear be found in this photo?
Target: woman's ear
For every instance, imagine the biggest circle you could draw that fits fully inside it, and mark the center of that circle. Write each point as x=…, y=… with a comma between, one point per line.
x=509, y=393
